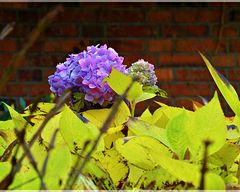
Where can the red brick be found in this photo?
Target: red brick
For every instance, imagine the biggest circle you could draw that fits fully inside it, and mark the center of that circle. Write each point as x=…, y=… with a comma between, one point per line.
x=127, y=45
x=180, y=60
x=203, y=45
x=189, y=74
x=228, y=31
x=128, y=5
x=238, y=60
x=184, y=31
x=61, y=45
x=13, y=77
x=129, y=59
x=164, y=74
x=5, y=59
x=160, y=45
x=187, y=89
x=19, y=30
x=234, y=74
x=75, y=15
x=92, y=31
x=220, y=4
x=120, y=16
x=36, y=47
x=197, y=15
x=96, y=6
x=186, y=15
x=223, y=60
x=184, y=102
x=15, y=5
x=7, y=16
x=159, y=16
x=235, y=45
x=140, y=107
x=209, y=15
x=28, y=16
x=45, y=60
x=47, y=73
x=8, y=45
x=14, y=90
x=34, y=75
x=131, y=31
x=39, y=89
x=68, y=29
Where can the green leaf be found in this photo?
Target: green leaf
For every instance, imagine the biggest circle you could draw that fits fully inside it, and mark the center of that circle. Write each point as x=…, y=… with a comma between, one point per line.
x=135, y=173
x=146, y=116
x=145, y=96
x=213, y=182
x=26, y=179
x=112, y=135
x=225, y=156
x=230, y=179
x=50, y=128
x=190, y=130
x=18, y=120
x=78, y=101
x=99, y=116
x=156, y=90
x=162, y=121
x=177, y=134
x=41, y=109
x=3, y=145
x=75, y=132
x=115, y=165
x=225, y=87
x=7, y=132
x=166, y=113
x=150, y=153
x=143, y=128
x=143, y=148
x=5, y=168
x=22, y=103
x=119, y=82
x=96, y=172
x=57, y=170
x=160, y=177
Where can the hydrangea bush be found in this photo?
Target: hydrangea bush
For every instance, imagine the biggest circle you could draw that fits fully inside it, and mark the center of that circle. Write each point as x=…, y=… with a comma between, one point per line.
x=84, y=72
x=144, y=71
x=171, y=148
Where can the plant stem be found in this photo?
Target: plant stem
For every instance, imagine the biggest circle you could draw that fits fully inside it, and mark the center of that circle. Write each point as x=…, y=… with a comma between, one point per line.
x=133, y=105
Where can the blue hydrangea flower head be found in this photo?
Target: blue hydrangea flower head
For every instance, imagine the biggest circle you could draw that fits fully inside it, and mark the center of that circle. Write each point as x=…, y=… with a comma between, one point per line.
x=144, y=71
x=85, y=71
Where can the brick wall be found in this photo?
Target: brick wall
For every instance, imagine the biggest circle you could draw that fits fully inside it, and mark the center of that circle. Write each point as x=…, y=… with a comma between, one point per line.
x=168, y=35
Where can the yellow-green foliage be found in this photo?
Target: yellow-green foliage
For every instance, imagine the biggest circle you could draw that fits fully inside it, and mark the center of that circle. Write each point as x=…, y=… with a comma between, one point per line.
x=163, y=150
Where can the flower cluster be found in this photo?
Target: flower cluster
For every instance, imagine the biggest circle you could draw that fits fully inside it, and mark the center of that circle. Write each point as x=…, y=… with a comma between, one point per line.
x=84, y=73
x=144, y=71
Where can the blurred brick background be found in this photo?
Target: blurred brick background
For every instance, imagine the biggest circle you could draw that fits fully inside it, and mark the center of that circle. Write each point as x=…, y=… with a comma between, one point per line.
x=169, y=35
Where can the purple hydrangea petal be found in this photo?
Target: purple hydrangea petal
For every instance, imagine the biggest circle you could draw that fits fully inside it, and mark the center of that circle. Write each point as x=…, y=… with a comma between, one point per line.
x=85, y=71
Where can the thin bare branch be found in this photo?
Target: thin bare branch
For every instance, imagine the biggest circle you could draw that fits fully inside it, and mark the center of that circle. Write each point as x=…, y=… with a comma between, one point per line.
x=59, y=104
x=204, y=165
x=220, y=32
x=35, y=34
x=103, y=130
x=6, y=30
x=51, y=146
x=77, y=163
x=7, y=153
x=24, y=183
x=30, y=156
x=17, y=165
